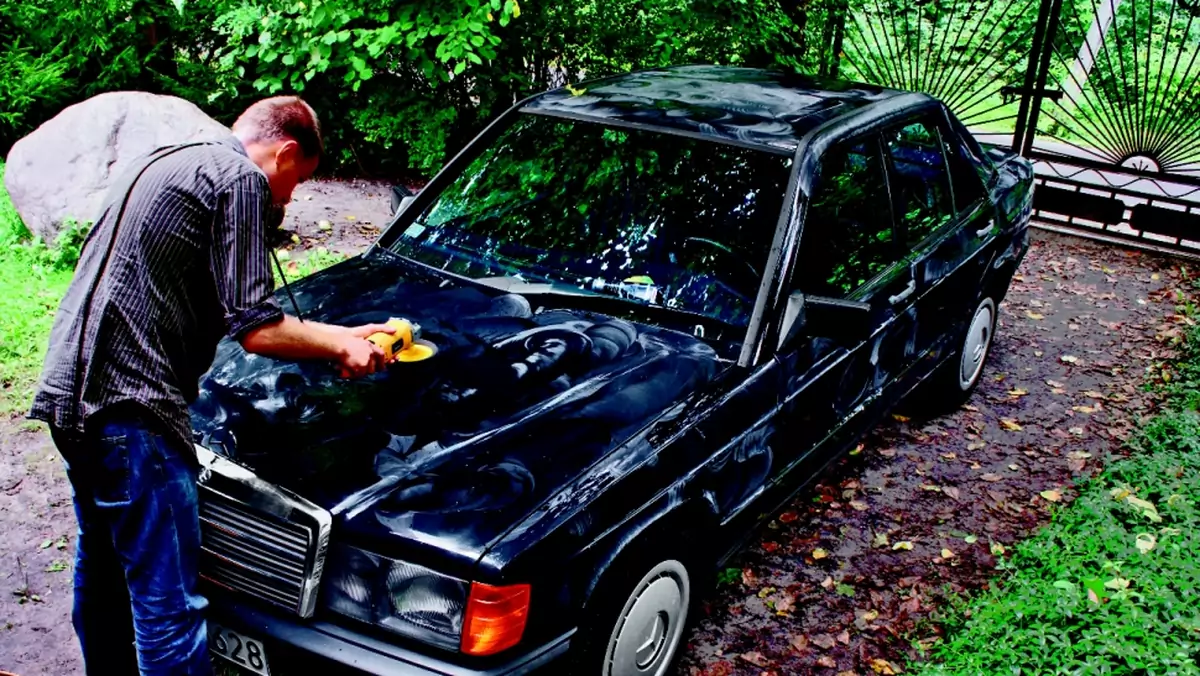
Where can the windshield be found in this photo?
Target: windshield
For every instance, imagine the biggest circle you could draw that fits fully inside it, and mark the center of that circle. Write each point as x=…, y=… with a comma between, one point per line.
x=576, y=207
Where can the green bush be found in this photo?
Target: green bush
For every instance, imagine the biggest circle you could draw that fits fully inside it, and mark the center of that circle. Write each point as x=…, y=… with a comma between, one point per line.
x=400, y=86
x=32, y=280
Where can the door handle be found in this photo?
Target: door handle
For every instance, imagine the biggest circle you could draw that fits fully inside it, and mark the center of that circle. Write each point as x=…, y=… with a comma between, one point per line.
x=908, y=291
x=987, y=230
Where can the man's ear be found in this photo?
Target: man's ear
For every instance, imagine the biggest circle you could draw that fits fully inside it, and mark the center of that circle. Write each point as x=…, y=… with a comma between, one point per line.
x=287, y=154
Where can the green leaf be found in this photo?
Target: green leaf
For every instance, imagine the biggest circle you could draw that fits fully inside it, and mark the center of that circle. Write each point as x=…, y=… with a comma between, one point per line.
x=289, y=60
x=460, y=67
x=179, y=5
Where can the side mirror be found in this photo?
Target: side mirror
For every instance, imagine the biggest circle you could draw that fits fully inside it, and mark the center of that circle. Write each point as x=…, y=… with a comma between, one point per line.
x=818, y=316
x=401, y=198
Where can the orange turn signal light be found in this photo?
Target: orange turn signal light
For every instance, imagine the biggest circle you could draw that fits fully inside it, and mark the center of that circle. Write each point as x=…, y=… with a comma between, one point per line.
x=495, y=618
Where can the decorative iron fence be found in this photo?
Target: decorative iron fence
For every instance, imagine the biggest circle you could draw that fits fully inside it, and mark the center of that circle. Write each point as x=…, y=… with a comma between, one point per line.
x=1104, y=96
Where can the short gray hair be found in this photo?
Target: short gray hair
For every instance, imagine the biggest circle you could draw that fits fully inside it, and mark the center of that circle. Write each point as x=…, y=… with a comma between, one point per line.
x=280, y=118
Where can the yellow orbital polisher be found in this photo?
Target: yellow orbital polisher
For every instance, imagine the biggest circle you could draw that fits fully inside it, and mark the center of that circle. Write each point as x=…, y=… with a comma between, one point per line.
x=407, y=338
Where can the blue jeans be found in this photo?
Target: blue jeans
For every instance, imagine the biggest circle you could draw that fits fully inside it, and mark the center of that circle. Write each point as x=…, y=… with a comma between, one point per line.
x=137, y=609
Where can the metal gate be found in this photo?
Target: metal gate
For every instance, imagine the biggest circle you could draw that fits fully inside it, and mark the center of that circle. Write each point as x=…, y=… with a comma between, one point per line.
x=1104, y=96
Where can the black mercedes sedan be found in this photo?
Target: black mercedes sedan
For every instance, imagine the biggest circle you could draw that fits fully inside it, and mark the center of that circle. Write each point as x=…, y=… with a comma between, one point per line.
x=657, y=305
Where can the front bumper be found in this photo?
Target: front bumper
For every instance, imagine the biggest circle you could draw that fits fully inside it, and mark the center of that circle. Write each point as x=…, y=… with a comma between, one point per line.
x=363, y=653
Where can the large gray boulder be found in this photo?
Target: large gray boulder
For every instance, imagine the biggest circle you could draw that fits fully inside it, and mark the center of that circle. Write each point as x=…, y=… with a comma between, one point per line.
x=64, y=168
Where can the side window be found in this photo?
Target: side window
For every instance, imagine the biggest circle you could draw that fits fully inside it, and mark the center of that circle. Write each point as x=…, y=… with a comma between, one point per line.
x=964, y=170
x=848, y=236
x=919, y=179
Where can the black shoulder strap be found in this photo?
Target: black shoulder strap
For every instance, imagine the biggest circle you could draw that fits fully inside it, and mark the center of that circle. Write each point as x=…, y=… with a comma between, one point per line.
x=86, y=307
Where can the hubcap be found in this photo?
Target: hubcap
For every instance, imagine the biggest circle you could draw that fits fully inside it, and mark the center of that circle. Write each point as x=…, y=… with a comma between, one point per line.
x=976, y=344
x=651, y=624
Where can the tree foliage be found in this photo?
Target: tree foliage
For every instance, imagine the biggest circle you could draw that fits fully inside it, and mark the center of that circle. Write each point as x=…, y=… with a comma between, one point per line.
x=398, y=85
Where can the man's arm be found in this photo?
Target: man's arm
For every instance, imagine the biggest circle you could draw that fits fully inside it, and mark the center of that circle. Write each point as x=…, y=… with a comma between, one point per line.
x=241, y=268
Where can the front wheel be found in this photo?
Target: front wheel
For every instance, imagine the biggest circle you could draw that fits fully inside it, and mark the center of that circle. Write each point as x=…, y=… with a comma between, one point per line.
x=640, y=622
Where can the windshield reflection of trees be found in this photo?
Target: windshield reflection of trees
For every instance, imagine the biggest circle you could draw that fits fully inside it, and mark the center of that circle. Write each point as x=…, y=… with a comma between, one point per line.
x=675, y=221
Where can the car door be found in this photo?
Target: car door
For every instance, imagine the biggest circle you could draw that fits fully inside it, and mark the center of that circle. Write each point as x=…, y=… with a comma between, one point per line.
x=849, y=251
x=946, y=223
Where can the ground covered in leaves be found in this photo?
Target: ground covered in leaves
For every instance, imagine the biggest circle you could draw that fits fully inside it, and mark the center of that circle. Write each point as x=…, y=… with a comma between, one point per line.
x=850, y=578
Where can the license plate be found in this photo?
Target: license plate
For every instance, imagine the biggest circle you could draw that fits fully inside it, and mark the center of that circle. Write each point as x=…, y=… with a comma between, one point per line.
x=238, y=649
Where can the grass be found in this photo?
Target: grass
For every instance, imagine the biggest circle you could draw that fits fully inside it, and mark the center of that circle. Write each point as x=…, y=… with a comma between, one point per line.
x=31, y=284
x=1112, y=584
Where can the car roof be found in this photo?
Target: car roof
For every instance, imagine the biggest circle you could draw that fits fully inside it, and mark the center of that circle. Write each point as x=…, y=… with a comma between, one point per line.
x=751, y=106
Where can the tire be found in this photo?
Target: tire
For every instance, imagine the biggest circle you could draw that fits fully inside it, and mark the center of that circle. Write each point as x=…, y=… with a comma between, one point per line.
x=951, y=385
x=639, y=622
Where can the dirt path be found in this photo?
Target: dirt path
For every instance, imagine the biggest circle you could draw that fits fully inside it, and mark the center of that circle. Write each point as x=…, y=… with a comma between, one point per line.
x=852, y=571
x=790, y=610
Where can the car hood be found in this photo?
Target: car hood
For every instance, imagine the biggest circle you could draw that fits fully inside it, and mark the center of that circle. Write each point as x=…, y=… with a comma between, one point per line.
x=439, y=458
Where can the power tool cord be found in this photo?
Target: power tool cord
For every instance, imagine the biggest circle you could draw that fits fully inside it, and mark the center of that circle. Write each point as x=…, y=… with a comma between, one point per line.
x=286, y=286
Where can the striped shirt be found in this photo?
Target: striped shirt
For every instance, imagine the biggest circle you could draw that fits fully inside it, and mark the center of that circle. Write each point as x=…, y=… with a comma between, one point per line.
x=177, y=260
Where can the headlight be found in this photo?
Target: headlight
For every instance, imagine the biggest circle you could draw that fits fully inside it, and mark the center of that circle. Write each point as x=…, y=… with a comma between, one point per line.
x=408, y=599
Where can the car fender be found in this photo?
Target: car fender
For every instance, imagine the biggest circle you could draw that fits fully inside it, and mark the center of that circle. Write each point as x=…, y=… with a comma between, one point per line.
x=660, y=526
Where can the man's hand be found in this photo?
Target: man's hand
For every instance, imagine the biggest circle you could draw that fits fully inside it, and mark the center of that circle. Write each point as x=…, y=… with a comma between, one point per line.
x=368, y=329
x=360, y=357
x=347, y=346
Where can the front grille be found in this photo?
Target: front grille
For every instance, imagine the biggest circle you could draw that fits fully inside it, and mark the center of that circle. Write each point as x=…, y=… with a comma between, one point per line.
x=258, y=539
x=254, y=553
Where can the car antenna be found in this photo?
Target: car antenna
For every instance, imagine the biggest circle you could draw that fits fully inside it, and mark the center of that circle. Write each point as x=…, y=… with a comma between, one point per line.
x=286, y=286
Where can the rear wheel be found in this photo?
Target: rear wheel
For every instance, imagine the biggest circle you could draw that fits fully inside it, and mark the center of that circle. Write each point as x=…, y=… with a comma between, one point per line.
x=953, y=382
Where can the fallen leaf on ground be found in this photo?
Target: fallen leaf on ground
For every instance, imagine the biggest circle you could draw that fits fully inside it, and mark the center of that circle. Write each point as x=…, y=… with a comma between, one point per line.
x=870, y=615
x=1070, y=359
x=1051, y=495
x=827, y=582
x=947, y=554
x=881, y=666
x=1035, y=315
x=1018, y=392
x=1145, y=542
x=1147, y=507
x=1010, y=424
x=930, y=487
x=880, y=540
x=819, y=553
x=1117, y=584
x=1077, y=431
x=827, y=661
x=976, y=445
x=1055, y=384
x=800, y=643
x=903, y=544
x=749, y=578
x=997, y=549
x=844, y=637
x=971, y=408
x=858, y=505
x=951, y=492
x=971, y=539
x=992, y=477
x=900, y=418
x=1094, y=394
x=1083, y=409
x=756, y=658
x=788, y=517
x=824, y=641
